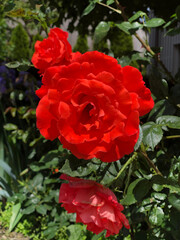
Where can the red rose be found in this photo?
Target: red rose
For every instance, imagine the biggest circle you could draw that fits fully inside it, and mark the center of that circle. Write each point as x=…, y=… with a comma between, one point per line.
x=93, y=106
x=53, y=51
x=94, y=205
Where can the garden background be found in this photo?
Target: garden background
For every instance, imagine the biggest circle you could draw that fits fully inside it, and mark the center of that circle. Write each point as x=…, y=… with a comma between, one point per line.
x=147, y=182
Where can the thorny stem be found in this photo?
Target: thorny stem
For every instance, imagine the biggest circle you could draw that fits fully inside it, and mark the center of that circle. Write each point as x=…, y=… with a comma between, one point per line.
x=128, y=178
x=151, y=164
x=146, y=46
x=129, y=161
x=121, y=8
x=118, y=11
x=173, y=136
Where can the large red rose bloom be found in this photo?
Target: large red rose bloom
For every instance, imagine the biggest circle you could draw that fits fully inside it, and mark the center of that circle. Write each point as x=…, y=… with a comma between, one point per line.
x=93, y=106
x=53, y=51
x=94, y=205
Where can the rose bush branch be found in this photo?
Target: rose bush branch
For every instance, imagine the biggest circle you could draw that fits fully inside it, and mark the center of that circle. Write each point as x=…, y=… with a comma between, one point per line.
x=144, y=44
x=111, y=8
x=128, y=162
x=171, y=137
x=150, y=162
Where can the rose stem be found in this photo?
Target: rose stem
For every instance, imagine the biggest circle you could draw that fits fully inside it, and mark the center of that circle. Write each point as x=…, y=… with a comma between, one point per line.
x=171, y=137
x=129, y=161
x=151, y=164
x=146, y=46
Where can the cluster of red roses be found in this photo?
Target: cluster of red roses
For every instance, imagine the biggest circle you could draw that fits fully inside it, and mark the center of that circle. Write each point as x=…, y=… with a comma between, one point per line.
x=92, y=105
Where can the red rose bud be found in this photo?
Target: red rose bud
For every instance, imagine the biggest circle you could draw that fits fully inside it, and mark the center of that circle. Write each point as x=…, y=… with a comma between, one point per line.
x=93, y=106
x=53, y=51
x=94, y=205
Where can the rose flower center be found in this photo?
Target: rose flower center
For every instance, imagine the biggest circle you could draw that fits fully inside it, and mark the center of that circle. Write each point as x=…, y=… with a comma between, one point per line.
x=87, y=113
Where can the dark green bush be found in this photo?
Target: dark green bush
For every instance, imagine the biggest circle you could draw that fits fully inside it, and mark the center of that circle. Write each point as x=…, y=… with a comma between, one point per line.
x=81, y=44
x=20, y=43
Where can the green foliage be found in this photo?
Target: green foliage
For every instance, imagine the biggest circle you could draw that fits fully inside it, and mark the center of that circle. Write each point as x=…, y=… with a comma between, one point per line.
x=121, y=43
x=20, y=43
x=5, y=214
x=102, y=46
x=81, y=44
x=3, y=39
x=101, y=31
x=35, y=38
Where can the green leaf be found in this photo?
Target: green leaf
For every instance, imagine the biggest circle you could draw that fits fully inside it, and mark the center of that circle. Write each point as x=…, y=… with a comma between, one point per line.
x=141, y=189
x=113, y=169
x=10, y=126
x=152, y=134
x=101, y=31
x=7, y=169
x=98, y=237
x=157, y=187
x=4, y=193
x=75, y=232
x=50, y=232
x=37, y=180
x=16, y=216
x=48, y=207
x=156, y=216
x=138, y=57
x=20, y=65
x=138, y=143
x=164, y=87
x=41, y=209
x=109, y=2
x=136, y=25
x=170, y=22
x=34, y=168
x=125, y=27
x=169, y=121
x=67, y=169
x=166, y=183
x=34, y=200
x=136, y=16
x=174, y=200
x=20, y=12
x=130, y=198
x=159, y=196
x=173, y=31
x=78, y=168
x=88, y=9
x=154, y=22
x=14, y=64
x=5, y=186
x=50, y=181
x=162, y=107
x=129, y=28
x=124, y=61
x=29, y=210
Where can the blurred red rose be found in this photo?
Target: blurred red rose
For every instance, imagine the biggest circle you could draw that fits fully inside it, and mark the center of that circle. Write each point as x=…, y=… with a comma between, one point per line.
x=95, y=205
x=93, y=106
x=53, y=51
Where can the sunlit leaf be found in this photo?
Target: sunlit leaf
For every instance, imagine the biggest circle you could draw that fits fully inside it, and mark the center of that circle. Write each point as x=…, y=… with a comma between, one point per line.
x=154, y=22
x=101, y=31
x=152, y=134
